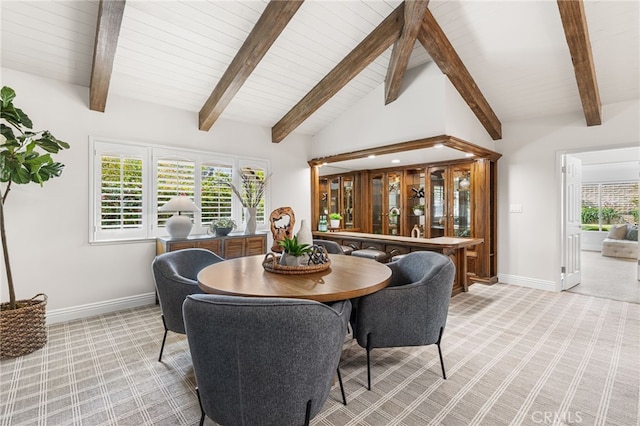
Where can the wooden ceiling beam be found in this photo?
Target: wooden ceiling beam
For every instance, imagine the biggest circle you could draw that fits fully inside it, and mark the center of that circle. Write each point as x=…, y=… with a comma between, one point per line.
x=574, y=21
x=272, y=22
x=444, y=55
x=413, y=14
x=379, y=40
x=110, y=14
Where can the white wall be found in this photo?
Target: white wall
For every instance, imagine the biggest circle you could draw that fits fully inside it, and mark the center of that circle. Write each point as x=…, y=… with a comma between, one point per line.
x=417, y=113
x=461, y=122
x=428, y=105
x=529, y=174
x=48, y=227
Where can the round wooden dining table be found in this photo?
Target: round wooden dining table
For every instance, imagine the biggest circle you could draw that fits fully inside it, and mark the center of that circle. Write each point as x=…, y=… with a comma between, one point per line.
x=348, y=277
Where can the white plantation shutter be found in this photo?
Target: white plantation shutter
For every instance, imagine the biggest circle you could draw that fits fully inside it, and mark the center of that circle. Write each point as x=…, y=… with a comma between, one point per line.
x=121, y=197
x=119, y=204
x=173, y=177
x=216, y=198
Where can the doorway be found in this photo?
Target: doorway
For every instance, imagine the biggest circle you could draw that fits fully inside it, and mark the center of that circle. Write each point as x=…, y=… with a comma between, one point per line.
x=613, y=175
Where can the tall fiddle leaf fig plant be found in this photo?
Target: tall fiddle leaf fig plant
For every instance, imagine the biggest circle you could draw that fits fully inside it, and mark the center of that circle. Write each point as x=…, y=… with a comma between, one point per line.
x=25, y=157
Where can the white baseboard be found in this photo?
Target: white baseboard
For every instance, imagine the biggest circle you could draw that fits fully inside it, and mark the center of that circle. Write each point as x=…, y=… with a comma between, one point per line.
x=528, y=282
x=92, y=309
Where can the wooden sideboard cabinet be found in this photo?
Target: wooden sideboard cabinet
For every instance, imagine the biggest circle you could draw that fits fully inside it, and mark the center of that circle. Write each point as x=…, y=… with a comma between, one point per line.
x=227, y=247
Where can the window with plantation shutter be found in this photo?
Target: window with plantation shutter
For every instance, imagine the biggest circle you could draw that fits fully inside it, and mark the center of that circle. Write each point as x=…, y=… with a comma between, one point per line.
x=121, y=197
x=216, y=198
x=131, y=181
x=119, y=202
x=174, y=177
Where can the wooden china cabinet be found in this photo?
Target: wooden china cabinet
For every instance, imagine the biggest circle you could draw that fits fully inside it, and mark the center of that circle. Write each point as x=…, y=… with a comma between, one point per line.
x=338, y=195
x=460, y=202
x=386, y=203
x=458, y=198
x=449, y=202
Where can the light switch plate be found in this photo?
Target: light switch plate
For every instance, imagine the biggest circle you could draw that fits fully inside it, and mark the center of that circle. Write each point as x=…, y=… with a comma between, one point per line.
x=515, y=208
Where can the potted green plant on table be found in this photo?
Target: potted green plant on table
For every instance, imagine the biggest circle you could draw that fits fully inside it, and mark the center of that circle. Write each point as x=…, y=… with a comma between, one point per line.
x=334, y=220
x=294, y=253
x=25, y=157
x=222, y=227
x=418, y=209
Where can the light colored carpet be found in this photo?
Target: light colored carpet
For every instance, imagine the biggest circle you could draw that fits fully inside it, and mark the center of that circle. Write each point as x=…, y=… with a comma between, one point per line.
x=608, y=277
x=513, y=356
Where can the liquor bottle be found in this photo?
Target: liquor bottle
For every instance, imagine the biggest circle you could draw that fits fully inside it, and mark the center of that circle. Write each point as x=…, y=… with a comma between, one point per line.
x=322, y=224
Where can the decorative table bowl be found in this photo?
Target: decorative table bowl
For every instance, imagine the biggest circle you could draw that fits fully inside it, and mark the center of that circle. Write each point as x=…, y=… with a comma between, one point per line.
x=271, y=263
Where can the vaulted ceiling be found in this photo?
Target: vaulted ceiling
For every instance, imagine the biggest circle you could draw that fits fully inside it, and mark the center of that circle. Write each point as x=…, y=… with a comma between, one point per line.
x=288, y=65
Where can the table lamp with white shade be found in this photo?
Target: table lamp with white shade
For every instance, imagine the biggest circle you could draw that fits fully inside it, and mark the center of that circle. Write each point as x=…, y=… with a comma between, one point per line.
x=179, y=226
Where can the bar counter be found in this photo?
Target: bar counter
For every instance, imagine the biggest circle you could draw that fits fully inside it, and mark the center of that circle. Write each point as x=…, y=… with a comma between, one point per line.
x=454, y=248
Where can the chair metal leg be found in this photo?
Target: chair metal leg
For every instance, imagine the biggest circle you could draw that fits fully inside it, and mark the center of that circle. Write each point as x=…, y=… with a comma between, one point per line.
x=201, y=409
x=444, y=375
x=164, y=339
x=307, y=415
x=344, y=398
x=368, y=361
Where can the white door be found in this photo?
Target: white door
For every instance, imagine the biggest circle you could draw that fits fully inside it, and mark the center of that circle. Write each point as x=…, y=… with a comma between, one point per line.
x=572, y=220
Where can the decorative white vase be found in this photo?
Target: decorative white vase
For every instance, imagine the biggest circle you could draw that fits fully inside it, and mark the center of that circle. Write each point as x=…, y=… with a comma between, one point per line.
x=335, y=223
x=250, y=220
x=304, y=233
x=418, y=212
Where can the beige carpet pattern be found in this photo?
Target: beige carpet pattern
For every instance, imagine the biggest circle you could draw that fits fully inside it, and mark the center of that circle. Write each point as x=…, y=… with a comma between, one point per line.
x=608, y=277
x=514, y=356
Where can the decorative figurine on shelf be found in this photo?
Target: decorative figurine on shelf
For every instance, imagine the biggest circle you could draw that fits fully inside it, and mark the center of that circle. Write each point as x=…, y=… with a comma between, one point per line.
x=415, y=232
x=282, y=221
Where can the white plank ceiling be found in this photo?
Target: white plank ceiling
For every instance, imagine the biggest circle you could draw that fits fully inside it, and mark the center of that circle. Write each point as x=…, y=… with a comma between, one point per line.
x=174, y=52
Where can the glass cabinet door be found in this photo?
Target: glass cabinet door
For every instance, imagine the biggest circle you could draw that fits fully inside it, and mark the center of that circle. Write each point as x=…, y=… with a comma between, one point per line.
x=347, y=201
x=415, y=196
x=395, y=219
x=324, y=196
x=334, y=190
x=461, y=202
x=437, y=208
x=377, y=204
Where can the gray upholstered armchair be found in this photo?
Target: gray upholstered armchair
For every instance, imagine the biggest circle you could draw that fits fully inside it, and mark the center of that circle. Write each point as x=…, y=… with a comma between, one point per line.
x=266, y=361
x=331, y=246
x=411, y=311
x=175, y=274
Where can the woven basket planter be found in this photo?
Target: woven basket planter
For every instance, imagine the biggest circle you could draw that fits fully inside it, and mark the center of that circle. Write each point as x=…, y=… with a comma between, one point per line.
x=23, y=330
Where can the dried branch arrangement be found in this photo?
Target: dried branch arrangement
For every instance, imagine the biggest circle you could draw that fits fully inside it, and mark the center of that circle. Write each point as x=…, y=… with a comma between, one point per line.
x=253, y=188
